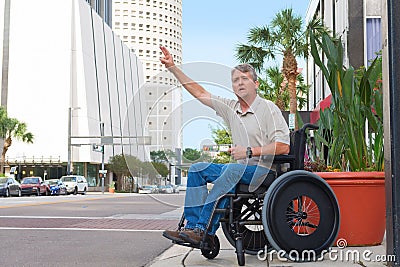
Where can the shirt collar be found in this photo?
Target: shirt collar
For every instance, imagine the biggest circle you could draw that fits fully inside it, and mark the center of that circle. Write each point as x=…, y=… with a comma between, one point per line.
x=252, y=108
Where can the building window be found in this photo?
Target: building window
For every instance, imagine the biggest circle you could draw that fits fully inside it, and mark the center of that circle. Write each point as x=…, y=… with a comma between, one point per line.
x=374, y=39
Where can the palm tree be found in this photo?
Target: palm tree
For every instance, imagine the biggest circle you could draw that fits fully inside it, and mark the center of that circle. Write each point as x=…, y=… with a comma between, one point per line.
x=11, y=128
x=284, y=36
x=274, y=88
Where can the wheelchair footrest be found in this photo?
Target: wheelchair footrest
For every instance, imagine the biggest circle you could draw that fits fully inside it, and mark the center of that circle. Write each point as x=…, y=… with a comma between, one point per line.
x=202, y=245
x=186, y=244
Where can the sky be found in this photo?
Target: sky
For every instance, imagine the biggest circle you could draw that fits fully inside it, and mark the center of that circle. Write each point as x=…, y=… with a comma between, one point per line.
x=211, y=29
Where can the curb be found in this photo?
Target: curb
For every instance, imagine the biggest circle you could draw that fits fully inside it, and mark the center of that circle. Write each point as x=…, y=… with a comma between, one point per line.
x=173, y=256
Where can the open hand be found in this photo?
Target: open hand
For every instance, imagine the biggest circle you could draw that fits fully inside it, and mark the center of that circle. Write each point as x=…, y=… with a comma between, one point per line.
x=167, y=60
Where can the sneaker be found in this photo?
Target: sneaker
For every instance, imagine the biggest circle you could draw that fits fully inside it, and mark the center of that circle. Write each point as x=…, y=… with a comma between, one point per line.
x=192, y=236
x=174, y=235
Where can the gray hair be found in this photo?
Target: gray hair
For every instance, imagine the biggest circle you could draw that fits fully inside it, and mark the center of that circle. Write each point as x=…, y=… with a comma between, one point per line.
x=245, y=67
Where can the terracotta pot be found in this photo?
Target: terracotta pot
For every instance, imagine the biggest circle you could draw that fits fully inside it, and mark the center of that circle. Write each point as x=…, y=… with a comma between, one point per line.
x=361, y=197
x=111, y=190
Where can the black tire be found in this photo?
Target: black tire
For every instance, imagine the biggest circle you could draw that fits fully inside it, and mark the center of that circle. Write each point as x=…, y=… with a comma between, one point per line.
x=84, y=191
x=38, y=192
x=240, y=251
x=19, y=192
x=253, y=236
x=212, y=248
x=76, y=191
x=7, y=192
x=303, y=215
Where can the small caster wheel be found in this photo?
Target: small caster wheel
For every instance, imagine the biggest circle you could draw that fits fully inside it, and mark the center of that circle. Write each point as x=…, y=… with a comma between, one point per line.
x=211, y=248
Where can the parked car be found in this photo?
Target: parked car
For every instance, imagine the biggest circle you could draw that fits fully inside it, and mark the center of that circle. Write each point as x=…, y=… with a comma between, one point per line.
x=165, y=189
x=175, y=188
x=9, y=187
x=34, y=186
x=181, y=187
x=148, y=189
x=75, y=184
x=57, y=187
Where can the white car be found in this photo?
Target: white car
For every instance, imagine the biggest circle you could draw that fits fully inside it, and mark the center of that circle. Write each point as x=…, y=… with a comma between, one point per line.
x=75, y=184
x=181, y=187
x=148, y=189
x=165, y=189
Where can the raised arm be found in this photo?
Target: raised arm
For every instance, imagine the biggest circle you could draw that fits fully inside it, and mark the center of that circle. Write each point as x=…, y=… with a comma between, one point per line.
x=191, y=86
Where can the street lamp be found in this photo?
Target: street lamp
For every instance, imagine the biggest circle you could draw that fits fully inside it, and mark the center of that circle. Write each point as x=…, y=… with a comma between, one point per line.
x=70, y=109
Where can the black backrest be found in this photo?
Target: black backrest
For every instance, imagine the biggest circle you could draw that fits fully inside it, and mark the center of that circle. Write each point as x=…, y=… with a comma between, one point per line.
x=298, y=145
x=295, y=158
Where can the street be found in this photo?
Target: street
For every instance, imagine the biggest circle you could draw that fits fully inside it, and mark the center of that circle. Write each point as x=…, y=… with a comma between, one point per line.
x=91, y=230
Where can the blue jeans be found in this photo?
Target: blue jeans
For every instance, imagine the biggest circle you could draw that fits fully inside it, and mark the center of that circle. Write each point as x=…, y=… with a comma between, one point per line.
x=199, y=203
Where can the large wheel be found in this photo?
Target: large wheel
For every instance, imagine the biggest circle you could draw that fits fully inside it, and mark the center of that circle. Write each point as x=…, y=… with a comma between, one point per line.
x=7, y=193
x=19, y=194
x=300, y=215
x=212, y=249
x=253, y=236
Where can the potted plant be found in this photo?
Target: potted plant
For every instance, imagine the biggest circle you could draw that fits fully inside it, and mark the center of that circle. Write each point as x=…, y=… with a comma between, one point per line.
x=352, y=131
x=111, y=187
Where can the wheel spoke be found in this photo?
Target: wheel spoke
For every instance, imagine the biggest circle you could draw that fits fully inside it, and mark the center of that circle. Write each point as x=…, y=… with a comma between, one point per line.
x=302, y=215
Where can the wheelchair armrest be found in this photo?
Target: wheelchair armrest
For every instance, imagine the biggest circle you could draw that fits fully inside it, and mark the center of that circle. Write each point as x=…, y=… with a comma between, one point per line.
x=279, y=159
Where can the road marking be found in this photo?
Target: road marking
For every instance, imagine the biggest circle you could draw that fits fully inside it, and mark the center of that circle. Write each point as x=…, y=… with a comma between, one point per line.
x=79, y=229
x=55, y=217
x=31, y=203
x=103, y=223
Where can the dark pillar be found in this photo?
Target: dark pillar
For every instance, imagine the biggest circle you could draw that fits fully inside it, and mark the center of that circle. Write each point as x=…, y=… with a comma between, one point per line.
x=391, y=83
x=355, y=35
x=178, y=171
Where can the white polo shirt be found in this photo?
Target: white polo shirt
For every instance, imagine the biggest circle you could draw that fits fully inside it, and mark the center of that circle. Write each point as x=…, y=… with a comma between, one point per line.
x=261, y=125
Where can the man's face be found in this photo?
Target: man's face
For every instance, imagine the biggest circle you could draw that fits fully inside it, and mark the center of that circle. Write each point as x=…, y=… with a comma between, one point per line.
x=243, y=85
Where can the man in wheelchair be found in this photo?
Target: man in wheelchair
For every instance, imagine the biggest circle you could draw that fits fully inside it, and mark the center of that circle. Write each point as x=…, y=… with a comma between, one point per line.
x=258, y=128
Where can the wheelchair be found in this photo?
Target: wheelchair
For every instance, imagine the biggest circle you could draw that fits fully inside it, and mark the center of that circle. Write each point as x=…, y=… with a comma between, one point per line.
x=293, y=212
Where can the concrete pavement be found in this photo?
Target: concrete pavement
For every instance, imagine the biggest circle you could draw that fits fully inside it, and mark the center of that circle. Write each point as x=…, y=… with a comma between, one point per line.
x=176, y=255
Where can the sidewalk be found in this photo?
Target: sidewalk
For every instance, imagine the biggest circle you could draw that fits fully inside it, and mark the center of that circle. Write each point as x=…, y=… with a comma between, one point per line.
x=351, y=256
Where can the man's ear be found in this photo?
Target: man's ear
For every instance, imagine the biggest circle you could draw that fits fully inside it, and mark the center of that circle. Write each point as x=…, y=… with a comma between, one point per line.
x=257, y=84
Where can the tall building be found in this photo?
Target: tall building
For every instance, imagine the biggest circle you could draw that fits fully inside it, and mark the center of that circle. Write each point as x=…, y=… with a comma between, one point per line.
x=76, y=86
x=103, y=8
x=145, y=25
x=358, y=23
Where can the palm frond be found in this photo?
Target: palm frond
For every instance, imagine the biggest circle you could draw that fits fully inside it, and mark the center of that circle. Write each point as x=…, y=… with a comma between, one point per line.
x=253, y=55
x=260, y=36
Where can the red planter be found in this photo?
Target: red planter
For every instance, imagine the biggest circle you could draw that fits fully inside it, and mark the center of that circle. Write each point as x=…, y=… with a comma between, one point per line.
x=361, y=197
